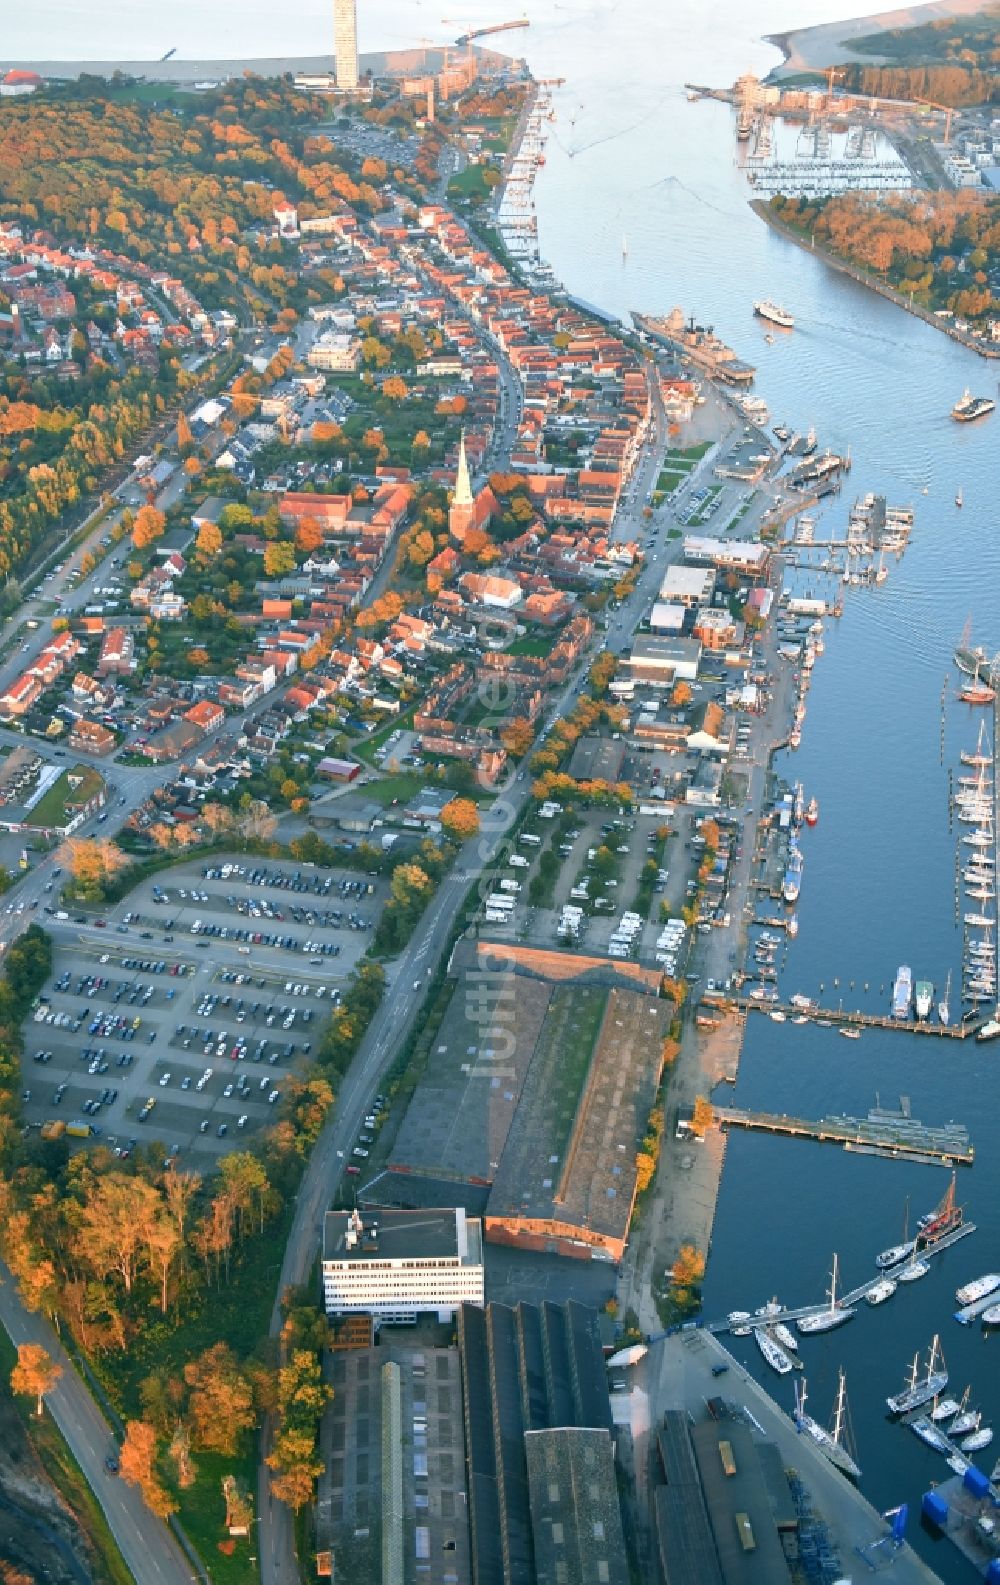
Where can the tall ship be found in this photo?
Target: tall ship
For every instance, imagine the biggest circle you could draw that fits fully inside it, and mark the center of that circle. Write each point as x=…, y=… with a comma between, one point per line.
x=968, y=408
x=830, y=1443
x=945, y=1218
x=923, y=998
x=774, y=313
x=902, y=992
x=920, y=1389
x=792, y=882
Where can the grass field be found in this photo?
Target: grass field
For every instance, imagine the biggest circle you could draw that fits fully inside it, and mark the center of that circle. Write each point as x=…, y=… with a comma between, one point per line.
x=79, y=783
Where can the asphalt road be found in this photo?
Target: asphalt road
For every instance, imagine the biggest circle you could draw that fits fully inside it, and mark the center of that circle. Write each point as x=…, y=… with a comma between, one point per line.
x=146, y=1544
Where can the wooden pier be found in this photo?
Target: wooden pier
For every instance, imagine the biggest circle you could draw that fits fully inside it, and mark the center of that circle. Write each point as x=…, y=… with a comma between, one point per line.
x=894, y=1135
x=858, y=1020
x=848, y=1300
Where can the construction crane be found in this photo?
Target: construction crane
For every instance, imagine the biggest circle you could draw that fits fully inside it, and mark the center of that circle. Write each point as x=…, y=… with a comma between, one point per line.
x=949, y=111
x=471, y=32
x=832, y=74
x=168, y=55
x=445, y=51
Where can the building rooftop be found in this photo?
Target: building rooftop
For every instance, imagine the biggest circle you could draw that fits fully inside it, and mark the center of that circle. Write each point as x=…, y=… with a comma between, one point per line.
x=742, y=1494
x=457, y=1123
x=597, y=759
x=402, y=1235
x=570, y=1153
x=663, y=650
x=576, y=1525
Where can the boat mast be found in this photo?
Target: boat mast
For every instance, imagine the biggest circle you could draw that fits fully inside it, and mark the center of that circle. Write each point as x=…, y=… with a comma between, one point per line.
x=833, y=1285
x=837, y=1428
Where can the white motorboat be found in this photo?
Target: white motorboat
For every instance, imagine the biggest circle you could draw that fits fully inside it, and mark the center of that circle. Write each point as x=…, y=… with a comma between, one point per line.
x=880, y=1291
x=979, y=1439
x=972, y=1292
x=772, y=1352
x=737, y=1321
x=784, y=1336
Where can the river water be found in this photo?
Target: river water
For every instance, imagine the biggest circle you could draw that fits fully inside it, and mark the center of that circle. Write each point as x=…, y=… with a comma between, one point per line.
x=630, y=157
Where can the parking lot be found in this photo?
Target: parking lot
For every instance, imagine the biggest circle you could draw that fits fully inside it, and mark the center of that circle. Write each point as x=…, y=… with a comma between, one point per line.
x=128, y=1049
x=283, y=916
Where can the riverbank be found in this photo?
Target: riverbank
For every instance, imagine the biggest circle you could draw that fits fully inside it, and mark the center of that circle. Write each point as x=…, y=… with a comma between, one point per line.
x=814, y=49
x=863, y=278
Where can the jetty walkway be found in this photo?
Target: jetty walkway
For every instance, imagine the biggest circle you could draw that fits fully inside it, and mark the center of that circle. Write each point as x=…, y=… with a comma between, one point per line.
x=848, y=1300
x=900, y=1138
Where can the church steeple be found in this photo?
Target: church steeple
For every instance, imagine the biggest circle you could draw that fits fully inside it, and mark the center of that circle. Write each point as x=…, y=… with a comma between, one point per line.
x=463, y=483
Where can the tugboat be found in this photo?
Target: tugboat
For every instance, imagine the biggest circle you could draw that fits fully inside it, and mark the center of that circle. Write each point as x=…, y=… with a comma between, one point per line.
x=977, y=693
x=968, y=408
x=812, y=812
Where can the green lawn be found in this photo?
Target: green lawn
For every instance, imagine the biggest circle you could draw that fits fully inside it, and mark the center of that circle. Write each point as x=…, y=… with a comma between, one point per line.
x=51, y=807
x=403, y=785
x=530, y=644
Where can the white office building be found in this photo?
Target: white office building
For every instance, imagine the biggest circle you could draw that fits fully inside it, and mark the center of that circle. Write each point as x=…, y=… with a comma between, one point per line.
x=345, y=42
x=396, y=1265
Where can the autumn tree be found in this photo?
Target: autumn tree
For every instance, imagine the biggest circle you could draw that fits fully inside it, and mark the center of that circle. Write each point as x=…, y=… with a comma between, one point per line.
x=703, y=1115
x=35, y=1373
x=137, y=1467
x=309, y=536
x=209, y=540
x=395, y=388
x=279, y=559
x=149, y=525
x=185, y=439
x=602, y=671
x=460, y=818
x=517, y=735
x=680, y=695
x=92, y=862
x=221, y=1402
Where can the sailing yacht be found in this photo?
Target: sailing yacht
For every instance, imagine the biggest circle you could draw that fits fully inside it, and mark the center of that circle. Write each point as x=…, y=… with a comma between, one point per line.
x=921, y=1389
x=826, y=1319
x=830, y=1443
x=943, y=1008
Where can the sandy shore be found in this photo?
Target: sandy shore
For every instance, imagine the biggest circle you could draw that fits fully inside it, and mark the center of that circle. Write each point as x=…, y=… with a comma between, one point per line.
x=815, y=48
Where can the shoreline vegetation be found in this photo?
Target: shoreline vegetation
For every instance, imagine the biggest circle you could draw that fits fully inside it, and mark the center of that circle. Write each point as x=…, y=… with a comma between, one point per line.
x=873, y=282
x=823, y=45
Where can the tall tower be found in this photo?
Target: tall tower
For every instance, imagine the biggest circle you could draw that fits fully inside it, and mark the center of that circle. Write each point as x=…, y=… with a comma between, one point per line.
x=462, y=512
x=345, y=42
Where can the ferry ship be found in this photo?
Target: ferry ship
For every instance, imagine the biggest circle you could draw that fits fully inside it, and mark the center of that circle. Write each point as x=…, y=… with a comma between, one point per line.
x=792, y=883
x=970, y=407
x=902, y=992
x=765, y=309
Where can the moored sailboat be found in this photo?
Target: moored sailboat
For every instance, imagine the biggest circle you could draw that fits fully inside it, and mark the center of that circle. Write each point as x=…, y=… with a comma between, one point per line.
x=830, y=1443
x=833, y=1315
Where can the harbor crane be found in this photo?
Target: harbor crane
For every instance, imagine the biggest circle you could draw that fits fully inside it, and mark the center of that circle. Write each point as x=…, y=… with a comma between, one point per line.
x=949, y=111
x=471, y=32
